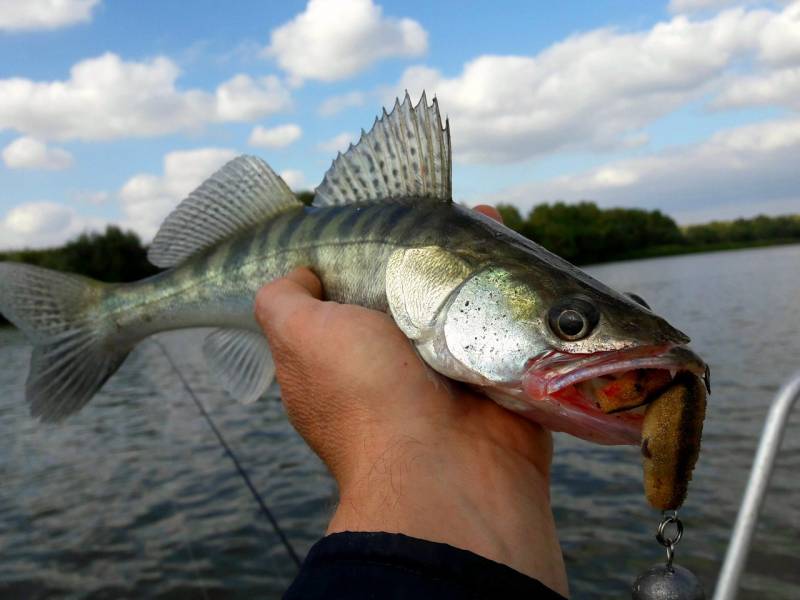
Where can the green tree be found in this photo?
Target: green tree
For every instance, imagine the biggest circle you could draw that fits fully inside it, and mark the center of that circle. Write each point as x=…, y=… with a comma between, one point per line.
x=112, y=256
x=511, y=217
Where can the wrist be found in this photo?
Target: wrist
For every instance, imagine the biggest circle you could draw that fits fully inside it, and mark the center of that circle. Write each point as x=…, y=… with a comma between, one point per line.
x=469, y=493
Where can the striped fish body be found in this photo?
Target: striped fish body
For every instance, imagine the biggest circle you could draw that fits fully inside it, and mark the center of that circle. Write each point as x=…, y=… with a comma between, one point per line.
x=347, y=246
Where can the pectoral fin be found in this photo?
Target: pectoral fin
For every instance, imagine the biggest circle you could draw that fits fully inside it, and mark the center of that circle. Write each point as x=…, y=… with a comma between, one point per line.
x=418, y=281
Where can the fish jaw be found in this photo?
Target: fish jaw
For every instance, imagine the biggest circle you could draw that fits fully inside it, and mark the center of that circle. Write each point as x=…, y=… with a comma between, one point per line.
x=570, y=414
x=553, y=371
x=550, y=395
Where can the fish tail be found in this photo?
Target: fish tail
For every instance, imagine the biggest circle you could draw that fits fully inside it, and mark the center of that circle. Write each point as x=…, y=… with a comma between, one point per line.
x=75, y=351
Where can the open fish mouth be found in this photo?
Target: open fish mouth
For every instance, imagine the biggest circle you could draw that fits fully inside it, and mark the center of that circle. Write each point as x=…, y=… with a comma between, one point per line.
x=603, y=395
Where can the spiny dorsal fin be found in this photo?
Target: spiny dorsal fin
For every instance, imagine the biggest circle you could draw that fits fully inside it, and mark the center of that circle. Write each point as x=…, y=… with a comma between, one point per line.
x=406, y=154
x=241, y=194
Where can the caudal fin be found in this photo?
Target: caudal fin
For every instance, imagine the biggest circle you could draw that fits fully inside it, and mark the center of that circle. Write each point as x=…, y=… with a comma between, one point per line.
x=72, y=357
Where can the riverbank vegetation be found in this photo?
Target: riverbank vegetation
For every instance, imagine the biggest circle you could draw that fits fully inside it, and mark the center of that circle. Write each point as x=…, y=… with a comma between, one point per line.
x=585, y=233
x=582, y=233
x=112, y=256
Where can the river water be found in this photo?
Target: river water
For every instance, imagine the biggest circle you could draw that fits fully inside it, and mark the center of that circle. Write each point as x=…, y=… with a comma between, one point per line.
x=134, y=497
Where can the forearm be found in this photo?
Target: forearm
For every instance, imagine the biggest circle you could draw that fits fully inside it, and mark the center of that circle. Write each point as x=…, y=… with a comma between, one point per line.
x=469, y=493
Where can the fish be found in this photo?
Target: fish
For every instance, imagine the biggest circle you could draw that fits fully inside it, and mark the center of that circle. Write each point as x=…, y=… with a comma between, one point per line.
x=481, y=304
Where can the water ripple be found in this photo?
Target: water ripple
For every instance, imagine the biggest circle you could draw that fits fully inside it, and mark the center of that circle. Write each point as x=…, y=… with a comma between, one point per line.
x=134, y=497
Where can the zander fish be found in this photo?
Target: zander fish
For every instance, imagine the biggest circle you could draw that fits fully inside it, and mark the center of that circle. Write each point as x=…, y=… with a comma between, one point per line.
x=481, y=304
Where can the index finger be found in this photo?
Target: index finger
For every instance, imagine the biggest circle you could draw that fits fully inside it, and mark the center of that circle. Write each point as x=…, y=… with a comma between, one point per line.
x=275, y=302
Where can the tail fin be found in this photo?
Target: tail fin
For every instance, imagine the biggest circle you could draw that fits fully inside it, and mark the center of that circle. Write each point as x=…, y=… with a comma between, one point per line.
x=59, y=313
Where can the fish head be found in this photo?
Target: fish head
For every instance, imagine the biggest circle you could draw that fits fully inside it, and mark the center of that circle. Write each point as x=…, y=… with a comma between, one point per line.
x=547, y=341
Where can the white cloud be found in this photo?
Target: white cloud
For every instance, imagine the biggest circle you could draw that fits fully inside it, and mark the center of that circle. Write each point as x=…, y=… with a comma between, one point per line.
x=737, y=172
x=40, y=224
x=780, y=87
x=691, y=6
x=30, y=153
x=244, y=99
x=106, y=98
x=336, y=104
x=779, y=40
x=335, y=39
x=294, y=179
x=39, y=217
x=597, y=89
x=612, y=177
x=275, y=137
x=337, y=143
x=147, y=199
x=30, y=15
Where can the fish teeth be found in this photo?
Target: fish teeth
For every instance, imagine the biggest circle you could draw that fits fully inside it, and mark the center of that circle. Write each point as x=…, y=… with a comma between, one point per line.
x=673, y=372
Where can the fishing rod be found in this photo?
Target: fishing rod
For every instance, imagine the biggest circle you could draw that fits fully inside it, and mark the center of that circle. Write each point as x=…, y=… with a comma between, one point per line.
x=229, y=451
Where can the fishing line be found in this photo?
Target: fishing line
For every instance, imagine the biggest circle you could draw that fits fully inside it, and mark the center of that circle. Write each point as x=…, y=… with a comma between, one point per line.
x=242, y=473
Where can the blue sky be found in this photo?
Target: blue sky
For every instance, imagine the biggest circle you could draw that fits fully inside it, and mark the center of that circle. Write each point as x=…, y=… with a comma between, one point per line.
x=111, y=112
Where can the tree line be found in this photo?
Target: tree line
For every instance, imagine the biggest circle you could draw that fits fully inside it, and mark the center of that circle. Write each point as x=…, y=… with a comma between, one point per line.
x=113, y=255
x=584, y=233
x=581, y=233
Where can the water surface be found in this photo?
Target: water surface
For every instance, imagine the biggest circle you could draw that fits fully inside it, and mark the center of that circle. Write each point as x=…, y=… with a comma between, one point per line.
x=134, y=497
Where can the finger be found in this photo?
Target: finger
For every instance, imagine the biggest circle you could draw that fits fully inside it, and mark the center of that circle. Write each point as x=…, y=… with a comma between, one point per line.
x=306, y=279
x=279, y=299
x=489, y=211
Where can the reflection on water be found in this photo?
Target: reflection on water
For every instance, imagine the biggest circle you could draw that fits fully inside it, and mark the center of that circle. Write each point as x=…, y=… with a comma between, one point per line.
x=134, y=497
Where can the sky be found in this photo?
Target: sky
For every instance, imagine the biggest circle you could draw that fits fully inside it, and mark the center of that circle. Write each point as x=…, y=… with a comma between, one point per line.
x=114, y=111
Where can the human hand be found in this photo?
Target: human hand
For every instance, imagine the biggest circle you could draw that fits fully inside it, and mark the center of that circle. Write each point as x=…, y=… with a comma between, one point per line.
x=411, y=452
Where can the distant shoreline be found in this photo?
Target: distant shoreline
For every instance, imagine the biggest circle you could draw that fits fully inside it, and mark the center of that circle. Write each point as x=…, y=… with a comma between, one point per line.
x=678, y=250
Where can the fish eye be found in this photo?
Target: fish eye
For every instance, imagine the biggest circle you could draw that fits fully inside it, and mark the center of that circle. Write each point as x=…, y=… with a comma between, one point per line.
x=573, y=318
x=637, y=298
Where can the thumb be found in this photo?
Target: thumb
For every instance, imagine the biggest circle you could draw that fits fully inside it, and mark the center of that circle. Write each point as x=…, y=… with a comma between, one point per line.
x=279, y=300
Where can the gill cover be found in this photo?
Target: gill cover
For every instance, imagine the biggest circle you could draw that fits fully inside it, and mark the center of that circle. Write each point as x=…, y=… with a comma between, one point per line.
x=493, y=326
x=479, y=328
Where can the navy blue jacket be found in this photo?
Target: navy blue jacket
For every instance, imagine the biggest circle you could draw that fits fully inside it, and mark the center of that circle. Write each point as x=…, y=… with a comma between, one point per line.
x=390, y=565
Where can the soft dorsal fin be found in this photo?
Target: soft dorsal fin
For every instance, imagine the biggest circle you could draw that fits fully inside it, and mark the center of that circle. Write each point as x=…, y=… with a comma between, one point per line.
x=406, y=154
x=241, y=194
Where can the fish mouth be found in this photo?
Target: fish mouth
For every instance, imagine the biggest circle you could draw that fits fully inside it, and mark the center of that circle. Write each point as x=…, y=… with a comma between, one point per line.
x=571, y=380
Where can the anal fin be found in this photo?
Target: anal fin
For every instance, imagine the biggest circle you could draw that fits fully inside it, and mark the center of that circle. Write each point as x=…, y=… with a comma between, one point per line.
x=242, y=362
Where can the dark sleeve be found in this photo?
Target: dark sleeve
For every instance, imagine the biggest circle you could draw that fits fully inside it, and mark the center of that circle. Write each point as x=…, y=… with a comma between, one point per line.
x=390, y=565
